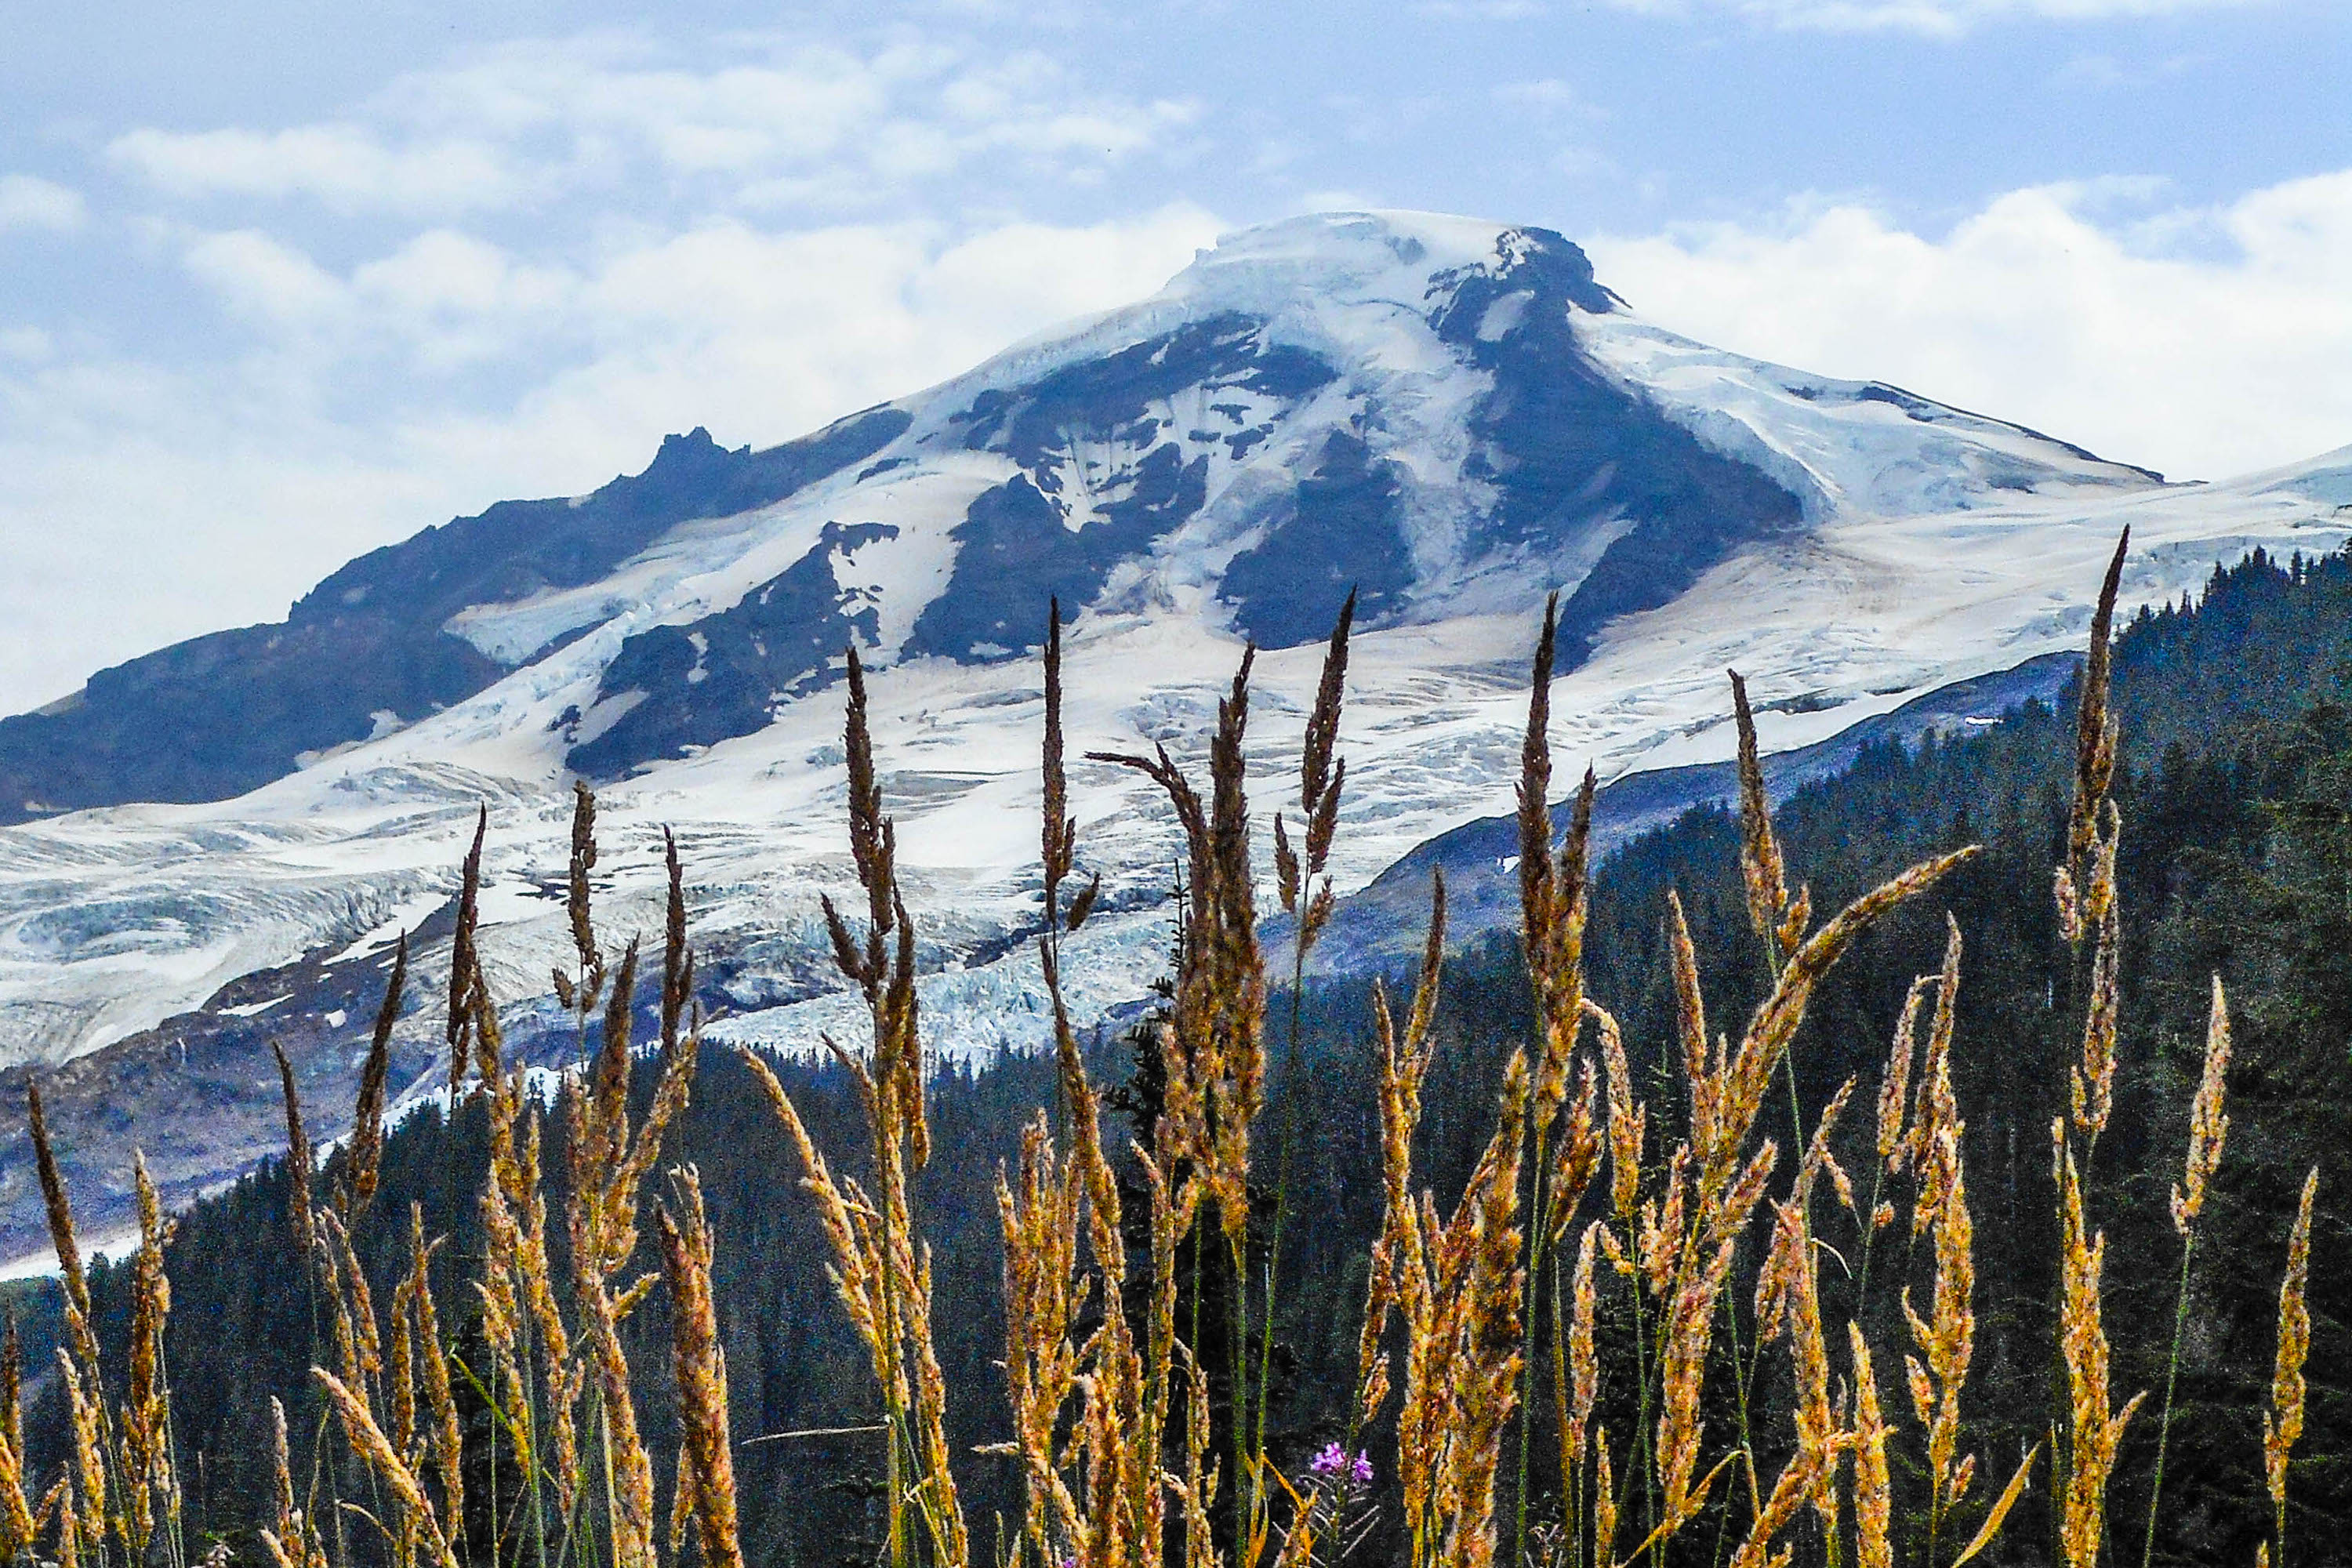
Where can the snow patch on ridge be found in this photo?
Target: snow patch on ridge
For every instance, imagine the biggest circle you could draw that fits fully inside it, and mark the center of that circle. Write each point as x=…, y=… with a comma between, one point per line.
x=1843, y=446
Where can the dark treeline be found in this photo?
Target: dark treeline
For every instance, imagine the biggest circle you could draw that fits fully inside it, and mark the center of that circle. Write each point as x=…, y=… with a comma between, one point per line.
x=2236, y=796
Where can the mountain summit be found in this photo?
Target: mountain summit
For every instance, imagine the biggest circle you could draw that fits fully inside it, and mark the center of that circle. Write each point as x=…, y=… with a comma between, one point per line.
x=1451, y=417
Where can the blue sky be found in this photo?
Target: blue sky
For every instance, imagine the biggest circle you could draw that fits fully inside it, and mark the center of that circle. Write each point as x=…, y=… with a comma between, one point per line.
x=282, y=282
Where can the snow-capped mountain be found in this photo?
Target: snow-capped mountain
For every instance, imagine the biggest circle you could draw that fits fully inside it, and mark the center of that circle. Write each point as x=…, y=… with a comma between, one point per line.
x=1449, y=417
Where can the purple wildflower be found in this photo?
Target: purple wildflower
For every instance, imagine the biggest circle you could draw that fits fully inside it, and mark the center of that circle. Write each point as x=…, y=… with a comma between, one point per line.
x=1334, y=1464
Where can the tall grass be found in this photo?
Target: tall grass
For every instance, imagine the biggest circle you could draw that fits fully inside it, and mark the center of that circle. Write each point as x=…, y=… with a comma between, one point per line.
x=1682, y=1277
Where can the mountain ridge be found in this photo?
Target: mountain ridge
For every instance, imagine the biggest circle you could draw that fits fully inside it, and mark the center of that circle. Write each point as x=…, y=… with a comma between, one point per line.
x=432, y=620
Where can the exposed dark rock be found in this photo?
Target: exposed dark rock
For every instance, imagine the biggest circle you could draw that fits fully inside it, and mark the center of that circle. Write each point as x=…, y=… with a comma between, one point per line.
x=1111, y=397
x=519, y=548
x=719, y=677
x=1014, y=552
x=1567, y=446
x=1015, y=548
x=218, y=715
x=1342, y=534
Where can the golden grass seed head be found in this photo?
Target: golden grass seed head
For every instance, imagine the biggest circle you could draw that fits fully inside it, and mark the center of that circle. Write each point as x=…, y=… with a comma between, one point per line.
x=700, y=1365
x=1760, y=864
x=1628, y=1120
x=1604, y=1501
x=677, y=958
x=580, y=893
x=462, y=958
x=146, y=1411
x=1895, y=1085
x=87, y=1419
x=2094, y=1433
x=1583, y=1352
x=2094, y=730
x=1535, y=783
x=1998, y=1515
x=1874, y=1492
x=1315, y=758
x=1576, y=1157
x=59, y=1208
x=369, y=1442
x=2093, y=1080
x=17, y=1526
x=2208, y=1121
x=12, y=1388
x=1285, y=867
x=298, y=1161
x=2282, y=1423
x=1774, y=1025
x=1058, y=837
x=364, y=1153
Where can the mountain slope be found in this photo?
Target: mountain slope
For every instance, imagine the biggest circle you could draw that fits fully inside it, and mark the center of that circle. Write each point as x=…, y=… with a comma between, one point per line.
x=1445, y=417
x=1452, y=416
x=372, y=646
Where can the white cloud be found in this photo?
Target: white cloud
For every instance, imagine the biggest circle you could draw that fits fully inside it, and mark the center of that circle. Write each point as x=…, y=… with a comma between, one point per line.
x=1555, y=112
x=2200, y=342
x=344, y=167
x=264, y=278
x=27, y=201
x=1935, y=18
x=530, y=123
x=2104, y=73
x=1478, y=10
x=1545, y=95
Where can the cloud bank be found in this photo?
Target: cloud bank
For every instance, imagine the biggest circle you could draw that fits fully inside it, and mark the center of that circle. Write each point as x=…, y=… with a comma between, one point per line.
x=29, y=202
x=2204, y=342
x=524, y=126
x=1934, y=18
